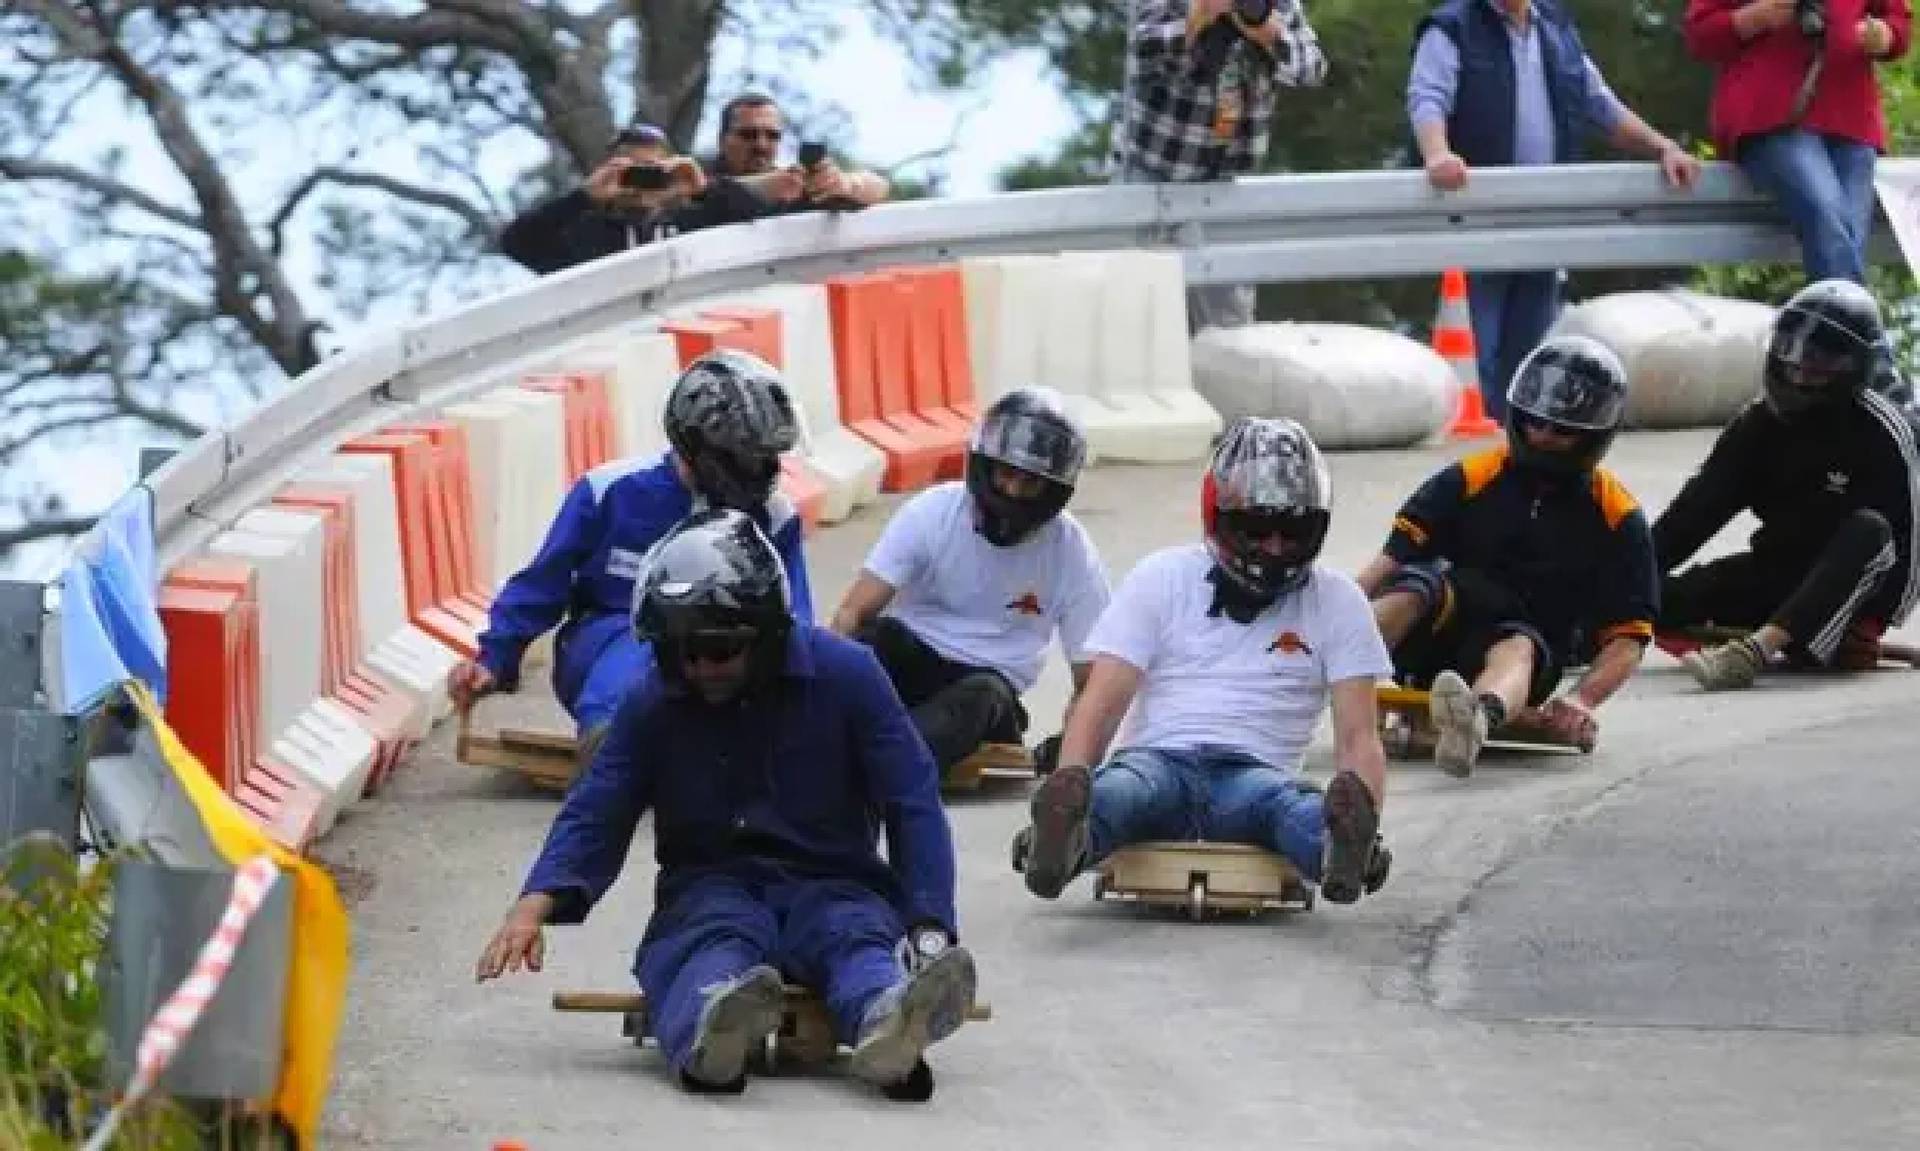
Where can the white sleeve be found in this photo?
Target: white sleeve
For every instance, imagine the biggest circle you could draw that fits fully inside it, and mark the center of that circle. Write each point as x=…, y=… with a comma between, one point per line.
x=1354, y=647
x=902, y=553
x=1086, y=594
x=1129, y=628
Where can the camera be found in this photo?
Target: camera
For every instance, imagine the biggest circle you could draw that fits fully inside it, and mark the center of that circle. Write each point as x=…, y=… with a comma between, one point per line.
x=812, y=152
x=1253, y=11
x=646, y=177
x=1812, y=17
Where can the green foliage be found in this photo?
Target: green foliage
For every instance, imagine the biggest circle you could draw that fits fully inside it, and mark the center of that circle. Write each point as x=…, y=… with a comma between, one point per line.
x=53, y=928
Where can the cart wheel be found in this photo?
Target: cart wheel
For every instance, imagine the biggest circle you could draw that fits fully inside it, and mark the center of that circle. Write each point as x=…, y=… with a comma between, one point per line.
x=1197, y=900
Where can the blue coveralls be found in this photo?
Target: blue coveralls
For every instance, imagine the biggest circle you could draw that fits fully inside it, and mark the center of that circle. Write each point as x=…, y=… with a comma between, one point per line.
x=767, y=817
x=584, y=571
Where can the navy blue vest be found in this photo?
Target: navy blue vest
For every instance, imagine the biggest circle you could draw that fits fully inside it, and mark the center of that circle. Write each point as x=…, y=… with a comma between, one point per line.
x=1481, y=127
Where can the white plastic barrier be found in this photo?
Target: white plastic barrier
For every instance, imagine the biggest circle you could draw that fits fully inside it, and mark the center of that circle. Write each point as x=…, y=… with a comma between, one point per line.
x=850, y=468
x=532, y=479
x=489, y=463
x=317, y=737
x=414, y=661
x=1692, y=360
x=1350, y=386
x=640, y=366
x=1108, y=329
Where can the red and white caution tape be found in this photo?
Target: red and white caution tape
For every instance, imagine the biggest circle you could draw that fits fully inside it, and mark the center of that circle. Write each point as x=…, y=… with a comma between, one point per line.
x=169, y=1029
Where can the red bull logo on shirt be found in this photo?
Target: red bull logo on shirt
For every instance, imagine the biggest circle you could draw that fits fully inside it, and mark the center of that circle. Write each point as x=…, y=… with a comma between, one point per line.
x=1026, y=603
x=1290, y=643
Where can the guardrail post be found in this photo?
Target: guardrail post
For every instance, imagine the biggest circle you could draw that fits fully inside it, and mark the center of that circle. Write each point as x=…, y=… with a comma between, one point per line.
x=42, y=754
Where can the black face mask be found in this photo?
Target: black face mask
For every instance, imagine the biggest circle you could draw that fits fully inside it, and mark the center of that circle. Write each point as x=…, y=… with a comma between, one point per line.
x=1238, y=603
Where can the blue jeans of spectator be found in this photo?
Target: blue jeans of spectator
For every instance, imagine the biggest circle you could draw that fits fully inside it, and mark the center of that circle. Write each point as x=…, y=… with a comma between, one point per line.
x=1511, y=314
x=1213, y=793
x=1824, y=184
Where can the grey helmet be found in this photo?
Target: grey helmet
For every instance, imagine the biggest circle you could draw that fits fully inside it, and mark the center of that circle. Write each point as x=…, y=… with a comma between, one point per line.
x=729, y=416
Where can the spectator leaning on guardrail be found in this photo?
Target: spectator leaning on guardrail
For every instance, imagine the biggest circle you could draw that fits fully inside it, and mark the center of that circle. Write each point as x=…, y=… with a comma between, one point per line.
x=1507, y=82
x=640, y=193
x=751, y=129
x=1198, y=106
x=1796, y=104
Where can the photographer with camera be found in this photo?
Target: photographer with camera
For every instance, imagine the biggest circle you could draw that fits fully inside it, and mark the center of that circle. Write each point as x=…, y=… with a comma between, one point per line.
x=641, y=192
x=1200, y=86
x=1796, y=104
x=751, y=129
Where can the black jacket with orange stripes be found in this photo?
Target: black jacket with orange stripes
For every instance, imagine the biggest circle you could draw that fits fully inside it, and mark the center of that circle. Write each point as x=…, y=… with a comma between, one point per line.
x=1576, y=551
x=1800, y=479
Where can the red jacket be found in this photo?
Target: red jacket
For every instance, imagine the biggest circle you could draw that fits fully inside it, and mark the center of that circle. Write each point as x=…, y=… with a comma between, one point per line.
x=1759, y=79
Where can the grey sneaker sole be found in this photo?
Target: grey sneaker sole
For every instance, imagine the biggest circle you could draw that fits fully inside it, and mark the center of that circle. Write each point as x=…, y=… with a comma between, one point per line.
x=1454, y=711
x=1059, y=811
x=933, y=1008
x=736, y=1024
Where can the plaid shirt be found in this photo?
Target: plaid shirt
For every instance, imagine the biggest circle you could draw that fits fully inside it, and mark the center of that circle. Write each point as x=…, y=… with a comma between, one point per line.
x=1183, y=126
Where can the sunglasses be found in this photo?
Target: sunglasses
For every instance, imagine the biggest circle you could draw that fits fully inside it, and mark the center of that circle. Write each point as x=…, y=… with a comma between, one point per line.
x=1257, y=526
x=770, y=135
x=716, y=646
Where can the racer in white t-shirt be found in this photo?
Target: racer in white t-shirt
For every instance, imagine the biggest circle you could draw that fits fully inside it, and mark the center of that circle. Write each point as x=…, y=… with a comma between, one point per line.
x=971, y=581
x=1221, y=658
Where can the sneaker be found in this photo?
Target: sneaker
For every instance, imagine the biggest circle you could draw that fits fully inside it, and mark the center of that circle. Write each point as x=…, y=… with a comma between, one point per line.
x=1351, y=826
x=1058, y=845
x=1380, y=866
x=735, y=1022
x=913, y=1015
x=1731, y=665
x=1460, y=721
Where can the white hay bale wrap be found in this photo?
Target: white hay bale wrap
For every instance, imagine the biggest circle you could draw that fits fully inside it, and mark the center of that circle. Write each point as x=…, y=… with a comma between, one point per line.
x=1350, y=386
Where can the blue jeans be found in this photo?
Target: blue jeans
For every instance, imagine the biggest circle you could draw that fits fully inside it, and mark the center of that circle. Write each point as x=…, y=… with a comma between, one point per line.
x=1511, y=314
x=1212, y=793
x=834, y=937
x=595, y=664
x=1824, y=184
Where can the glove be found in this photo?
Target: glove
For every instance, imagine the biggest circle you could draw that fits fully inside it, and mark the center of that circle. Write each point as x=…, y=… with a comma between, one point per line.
x=920, y=946
x=1570, y=720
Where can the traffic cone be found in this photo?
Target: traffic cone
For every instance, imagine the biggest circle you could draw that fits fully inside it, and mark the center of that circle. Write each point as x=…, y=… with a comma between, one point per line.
x=1453, y=339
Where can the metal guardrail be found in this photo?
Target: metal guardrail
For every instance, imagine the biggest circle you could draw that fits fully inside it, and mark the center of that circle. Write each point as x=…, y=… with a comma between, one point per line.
x=1272, y=229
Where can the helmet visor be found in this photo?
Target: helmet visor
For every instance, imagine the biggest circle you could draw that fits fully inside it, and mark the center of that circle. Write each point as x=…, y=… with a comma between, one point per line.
x=1812, y=353
x=1569, y=394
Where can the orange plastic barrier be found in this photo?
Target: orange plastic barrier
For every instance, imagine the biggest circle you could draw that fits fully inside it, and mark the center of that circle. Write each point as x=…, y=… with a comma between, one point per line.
x=938, y=335
x=589, y=414
x=210, y=610
x=430, y=539
x=872, y=315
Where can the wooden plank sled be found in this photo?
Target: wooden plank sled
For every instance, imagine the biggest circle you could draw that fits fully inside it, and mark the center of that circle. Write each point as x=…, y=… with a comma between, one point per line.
x=1202, y=877
x=547, y=758
x=1406, y=726
x=805, y=1035
x=991, y=762
x=1893, y=653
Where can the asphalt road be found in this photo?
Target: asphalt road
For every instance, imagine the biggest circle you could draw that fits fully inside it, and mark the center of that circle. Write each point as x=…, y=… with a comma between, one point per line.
x=1700, y=936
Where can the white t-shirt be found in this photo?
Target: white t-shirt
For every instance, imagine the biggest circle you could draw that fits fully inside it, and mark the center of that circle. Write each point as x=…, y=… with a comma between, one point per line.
x=983, y=605
x=1259, y=687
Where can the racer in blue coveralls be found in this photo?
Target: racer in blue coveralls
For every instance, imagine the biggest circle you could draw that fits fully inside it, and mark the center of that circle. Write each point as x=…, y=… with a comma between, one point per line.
x=727, y=419
x=771, y=753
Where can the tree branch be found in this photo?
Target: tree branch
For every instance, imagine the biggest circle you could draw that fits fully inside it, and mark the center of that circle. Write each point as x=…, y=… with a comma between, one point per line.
x=481, y=224
x=21, y=168
x=34, y=530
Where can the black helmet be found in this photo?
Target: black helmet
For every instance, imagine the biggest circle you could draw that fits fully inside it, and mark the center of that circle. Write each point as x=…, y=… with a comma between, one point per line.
x=1266, y=476
x=1027, y=429
x=1826, y=347
x=730, y=418
x=1574, y=385
x=713, y=586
